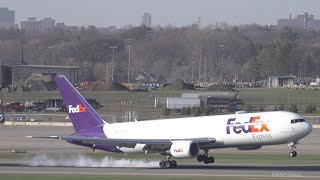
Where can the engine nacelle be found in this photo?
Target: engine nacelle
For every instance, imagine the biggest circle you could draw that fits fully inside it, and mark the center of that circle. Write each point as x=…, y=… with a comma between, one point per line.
x=249, y=147
x=184, y=149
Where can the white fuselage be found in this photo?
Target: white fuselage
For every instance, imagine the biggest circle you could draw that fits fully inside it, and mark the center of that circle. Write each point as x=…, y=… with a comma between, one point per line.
x=235, y=130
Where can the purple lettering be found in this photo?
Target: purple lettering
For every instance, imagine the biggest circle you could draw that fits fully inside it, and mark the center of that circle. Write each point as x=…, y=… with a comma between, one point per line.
x=229, y=124
x=237, y=128
x=246, y=124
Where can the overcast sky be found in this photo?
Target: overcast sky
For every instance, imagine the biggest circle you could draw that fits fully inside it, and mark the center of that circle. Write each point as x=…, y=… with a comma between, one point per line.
x=176, y=12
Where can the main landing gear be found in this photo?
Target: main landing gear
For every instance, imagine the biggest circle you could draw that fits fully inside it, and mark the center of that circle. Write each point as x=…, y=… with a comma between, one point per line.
x=293, y=153
x=204, y=158
x=168, y=163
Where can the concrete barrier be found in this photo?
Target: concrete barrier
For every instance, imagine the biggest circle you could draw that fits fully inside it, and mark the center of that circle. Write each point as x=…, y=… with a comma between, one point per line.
x=45, y=123
x=32, y=123
x=316, y=126
x=8, y=123
x=57, y=124
x=68, y=124
x=18, y=123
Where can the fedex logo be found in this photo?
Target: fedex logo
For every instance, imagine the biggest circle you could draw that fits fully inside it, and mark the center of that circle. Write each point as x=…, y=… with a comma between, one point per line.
x=178, y=150
x=247, y=127
x=78, y=109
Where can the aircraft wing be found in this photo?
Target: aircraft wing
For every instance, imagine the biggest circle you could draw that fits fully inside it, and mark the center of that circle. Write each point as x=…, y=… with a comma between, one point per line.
x=129, y=142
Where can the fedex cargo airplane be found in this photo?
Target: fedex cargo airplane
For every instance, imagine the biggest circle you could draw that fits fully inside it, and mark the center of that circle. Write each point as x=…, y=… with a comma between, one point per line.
x=179, y=138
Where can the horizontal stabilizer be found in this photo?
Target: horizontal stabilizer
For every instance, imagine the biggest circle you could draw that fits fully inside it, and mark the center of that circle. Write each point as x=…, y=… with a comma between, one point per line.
x=44, y=137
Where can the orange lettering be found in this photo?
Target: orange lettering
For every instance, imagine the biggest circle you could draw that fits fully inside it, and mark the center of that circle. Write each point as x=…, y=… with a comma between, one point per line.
x=264, y=127
x=82, y=108
x=253, y=129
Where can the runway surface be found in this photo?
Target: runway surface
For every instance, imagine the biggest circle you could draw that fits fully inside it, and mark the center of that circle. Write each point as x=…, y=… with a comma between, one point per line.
x=247, y=171
x=14, y=138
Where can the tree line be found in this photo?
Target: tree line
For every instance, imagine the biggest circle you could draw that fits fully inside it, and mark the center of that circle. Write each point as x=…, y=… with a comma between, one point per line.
x=214, y=53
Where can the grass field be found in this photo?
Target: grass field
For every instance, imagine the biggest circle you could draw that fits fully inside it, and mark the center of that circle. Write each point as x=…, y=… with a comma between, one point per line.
x=264, y=96
x=275, y=96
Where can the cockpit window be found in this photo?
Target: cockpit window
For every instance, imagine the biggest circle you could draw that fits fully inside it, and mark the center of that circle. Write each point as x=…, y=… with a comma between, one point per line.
x=293, y=121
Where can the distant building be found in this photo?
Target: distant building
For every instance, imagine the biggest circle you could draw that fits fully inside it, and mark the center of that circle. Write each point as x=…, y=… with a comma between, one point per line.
x=304, y=21
x=146, y=20
x=112, y=29
x=60, y=25
x=7, y=71
x=67, y=28
x=47, y=24
x=7, y=18
x=220, y=101
x=280, y=81
x=31, y=25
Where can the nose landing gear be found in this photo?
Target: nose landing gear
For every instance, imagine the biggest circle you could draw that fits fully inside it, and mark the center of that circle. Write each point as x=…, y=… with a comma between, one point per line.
x=293, y=153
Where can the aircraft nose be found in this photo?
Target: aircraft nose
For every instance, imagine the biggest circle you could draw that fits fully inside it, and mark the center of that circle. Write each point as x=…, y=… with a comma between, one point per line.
x=309, y=127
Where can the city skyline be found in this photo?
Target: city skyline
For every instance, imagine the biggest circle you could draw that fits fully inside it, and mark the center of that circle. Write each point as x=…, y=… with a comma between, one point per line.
x=104, y=13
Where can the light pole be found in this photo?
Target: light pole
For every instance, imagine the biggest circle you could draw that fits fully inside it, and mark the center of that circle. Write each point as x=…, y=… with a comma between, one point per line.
x=199, y=65
x=129, y=41
x=12, y=82
x=112, y=47
x=52, y=47
x=41, y=54
x=221, y=46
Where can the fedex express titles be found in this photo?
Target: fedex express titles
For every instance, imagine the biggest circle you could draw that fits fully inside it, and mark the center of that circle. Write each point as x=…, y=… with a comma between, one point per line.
x=249, y=127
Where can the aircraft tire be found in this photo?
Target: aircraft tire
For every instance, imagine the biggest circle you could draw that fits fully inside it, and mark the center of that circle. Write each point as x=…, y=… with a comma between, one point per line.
x=206, y=161
x=201, y=158
x=173, y=163
x=295, y=153
x=167, y=164
x=211, y=159
x=162, y=164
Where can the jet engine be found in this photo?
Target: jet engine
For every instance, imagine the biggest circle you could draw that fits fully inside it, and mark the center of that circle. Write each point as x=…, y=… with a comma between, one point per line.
x=184, y=149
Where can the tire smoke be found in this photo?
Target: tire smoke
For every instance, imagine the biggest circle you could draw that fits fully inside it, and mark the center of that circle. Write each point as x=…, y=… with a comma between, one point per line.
x=81, y=160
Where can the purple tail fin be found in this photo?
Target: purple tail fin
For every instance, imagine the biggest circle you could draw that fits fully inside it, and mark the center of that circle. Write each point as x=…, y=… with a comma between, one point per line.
x=82, y=115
